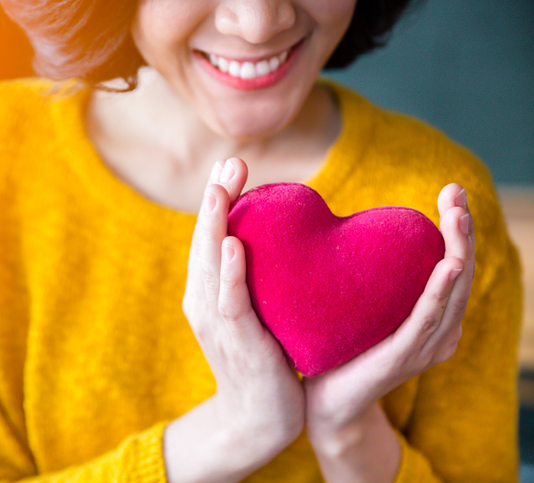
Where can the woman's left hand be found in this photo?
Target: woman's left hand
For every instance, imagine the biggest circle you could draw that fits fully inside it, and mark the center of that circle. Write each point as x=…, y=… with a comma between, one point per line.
x=344, y=399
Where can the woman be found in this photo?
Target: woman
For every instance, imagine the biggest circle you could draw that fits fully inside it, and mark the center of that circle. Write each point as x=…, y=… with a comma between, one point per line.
x=101, y=374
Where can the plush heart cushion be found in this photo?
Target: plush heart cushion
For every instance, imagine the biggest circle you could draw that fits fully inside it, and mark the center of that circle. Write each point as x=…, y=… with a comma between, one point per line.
x=327, y=287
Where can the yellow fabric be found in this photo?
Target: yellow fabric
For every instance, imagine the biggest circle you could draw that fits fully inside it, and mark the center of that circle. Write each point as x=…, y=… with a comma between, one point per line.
x=96, y=355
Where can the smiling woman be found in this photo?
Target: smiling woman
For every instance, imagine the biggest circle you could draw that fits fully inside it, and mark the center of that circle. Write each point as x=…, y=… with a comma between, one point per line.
x=130, y=349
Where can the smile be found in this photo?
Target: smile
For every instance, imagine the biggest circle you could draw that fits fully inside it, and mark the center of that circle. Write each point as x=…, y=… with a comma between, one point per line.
x=248, y=70
x=249, y=74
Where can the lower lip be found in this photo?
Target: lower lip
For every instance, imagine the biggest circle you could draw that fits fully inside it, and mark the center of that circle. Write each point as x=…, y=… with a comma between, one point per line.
x=251, y=84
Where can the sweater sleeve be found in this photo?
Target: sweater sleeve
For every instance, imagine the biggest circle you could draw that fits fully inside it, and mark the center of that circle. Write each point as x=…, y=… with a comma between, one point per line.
x=414, y=467
x=139, y=459
x=463, y=426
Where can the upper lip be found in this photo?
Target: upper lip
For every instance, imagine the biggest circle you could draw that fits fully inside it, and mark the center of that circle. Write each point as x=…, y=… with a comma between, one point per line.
x=252, y=59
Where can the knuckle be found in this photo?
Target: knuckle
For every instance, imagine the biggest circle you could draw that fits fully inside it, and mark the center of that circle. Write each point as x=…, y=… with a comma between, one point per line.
x=209, y=233
x=211, y=280
x=229, y=311
x=429, y=324
x=211, y=283
x=440, y=297
x=446, y=353
x=230, y=282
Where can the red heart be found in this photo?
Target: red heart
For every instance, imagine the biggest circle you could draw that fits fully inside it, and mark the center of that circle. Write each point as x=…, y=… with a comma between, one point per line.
x=330, y=287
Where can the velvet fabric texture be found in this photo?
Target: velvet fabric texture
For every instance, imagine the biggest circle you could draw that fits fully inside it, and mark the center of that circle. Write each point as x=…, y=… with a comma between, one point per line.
x=330, y=287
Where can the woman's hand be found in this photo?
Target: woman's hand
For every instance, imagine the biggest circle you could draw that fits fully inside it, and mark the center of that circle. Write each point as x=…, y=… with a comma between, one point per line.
x=258, y=408
x=341, y=409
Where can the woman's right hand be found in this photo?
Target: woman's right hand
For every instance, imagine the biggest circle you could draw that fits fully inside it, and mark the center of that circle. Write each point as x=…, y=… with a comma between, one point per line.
x=259, y=405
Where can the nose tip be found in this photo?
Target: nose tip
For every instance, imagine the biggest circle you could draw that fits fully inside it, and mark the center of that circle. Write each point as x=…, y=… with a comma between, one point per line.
x=255, y=21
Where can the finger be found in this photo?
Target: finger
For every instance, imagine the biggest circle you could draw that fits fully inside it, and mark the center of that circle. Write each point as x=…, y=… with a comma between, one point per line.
x=235, y=306
x=450, y=196
x=427, y=314
x=212, y=228
x=214, y=176
x=457, y=229
x=233, y=177
x=454, y=311
x=216, y=171
x=455, y=226
x=453, y=197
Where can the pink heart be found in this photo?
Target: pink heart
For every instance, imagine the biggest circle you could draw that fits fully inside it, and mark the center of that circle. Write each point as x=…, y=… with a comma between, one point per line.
x=330, y=287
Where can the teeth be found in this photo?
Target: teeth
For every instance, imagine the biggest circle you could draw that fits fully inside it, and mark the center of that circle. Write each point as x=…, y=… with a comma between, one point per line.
x=274, y=63
x=262, y=68
x=234, y=69
x=223, y=64
x=248, y=70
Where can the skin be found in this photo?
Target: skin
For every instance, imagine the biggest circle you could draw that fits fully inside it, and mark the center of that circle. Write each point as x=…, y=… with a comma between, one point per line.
x=162, y=140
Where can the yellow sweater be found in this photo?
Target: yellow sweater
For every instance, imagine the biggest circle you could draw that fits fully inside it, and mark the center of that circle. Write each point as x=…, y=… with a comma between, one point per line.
x=96, y=355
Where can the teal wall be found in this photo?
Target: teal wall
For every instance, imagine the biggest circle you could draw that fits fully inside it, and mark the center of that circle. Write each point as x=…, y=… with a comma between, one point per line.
x=467, y=67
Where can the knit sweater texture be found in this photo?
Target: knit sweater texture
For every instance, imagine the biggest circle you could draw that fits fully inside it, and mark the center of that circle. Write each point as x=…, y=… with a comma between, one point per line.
x=96, y=356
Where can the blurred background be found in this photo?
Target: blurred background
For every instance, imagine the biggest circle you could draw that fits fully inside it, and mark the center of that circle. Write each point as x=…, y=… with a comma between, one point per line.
x=466, y=67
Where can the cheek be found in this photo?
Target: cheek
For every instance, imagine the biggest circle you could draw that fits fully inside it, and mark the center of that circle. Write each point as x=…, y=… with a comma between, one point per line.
x=162, y=24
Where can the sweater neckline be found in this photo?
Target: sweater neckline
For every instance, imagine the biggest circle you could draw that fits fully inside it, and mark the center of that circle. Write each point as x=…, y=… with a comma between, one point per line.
x=68, y=113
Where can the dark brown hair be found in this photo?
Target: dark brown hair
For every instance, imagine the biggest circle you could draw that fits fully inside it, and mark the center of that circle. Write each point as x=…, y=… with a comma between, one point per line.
x=90, y=39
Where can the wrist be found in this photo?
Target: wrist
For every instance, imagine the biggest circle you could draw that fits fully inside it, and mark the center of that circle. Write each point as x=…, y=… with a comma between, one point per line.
x=333, y=439
x=254, y=434
x=201, y=447
x=247, y=438
x=366, y=449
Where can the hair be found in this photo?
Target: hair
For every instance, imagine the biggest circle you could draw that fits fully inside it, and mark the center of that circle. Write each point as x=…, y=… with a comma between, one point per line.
x=91, y=40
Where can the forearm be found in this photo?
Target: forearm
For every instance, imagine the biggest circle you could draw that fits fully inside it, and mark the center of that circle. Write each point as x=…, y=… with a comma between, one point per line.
x=200, y=447
x=366, y=451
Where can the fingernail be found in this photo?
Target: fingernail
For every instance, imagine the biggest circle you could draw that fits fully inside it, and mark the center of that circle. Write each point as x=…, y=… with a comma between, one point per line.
x=455, y=274
x=215, y=173
x=461, y=199
x=228, y=252
x=464, y=224
x=227, y=172
x=210, y=203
